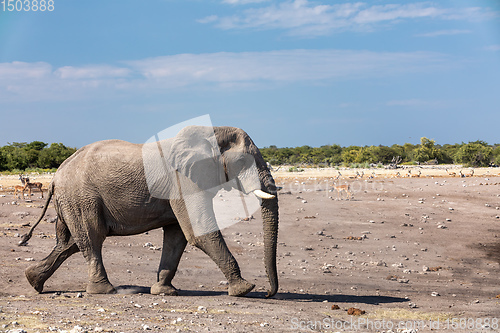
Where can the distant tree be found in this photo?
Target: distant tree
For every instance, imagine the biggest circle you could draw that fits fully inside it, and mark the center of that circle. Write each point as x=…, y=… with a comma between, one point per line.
x=427, y=151
x=350, y=154
x=53, y=156
x=496, y=155
x=474, y=154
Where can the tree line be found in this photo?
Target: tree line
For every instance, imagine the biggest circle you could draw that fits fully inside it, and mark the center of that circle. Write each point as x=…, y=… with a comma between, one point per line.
x=19, y=156
x=473, y=154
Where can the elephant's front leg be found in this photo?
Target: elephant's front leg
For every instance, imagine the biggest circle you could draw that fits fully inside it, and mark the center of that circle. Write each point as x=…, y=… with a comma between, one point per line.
x=174, y=244
x=214, y=245
x=197, y=220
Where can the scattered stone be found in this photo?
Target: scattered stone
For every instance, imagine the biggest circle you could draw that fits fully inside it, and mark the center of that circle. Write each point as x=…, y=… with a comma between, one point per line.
x=355, y=312
x=435, y=294
x=354, y=238
x=434, y=269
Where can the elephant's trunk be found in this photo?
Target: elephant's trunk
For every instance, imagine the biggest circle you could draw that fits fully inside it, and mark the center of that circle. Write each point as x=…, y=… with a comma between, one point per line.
x=270, y=220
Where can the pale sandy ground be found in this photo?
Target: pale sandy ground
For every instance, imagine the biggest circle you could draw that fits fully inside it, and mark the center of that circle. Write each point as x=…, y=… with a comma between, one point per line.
x=427, y=257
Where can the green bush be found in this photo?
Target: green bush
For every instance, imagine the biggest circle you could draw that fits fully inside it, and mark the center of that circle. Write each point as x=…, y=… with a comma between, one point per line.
x=474, y=154
x=18, y=156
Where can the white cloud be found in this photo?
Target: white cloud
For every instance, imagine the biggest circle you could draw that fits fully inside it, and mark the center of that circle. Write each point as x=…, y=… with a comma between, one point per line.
x=417, y=103
x=91, y=72
x=444, y=33
x=23, y=70
x=283, y=66
x=493, y=48
x=304, y=17
x=242, y=2
x=35, y=81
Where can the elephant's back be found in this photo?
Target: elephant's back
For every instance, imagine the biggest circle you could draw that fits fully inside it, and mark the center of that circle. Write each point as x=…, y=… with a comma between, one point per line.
x=100, y=163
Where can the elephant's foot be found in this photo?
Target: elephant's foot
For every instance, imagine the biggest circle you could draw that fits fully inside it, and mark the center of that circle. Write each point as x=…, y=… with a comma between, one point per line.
x=33, y=276
x=167, y=290
x=100, y=288
x=240, y=288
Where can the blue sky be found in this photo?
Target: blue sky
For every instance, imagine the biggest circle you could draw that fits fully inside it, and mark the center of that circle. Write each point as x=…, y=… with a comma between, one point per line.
x=291, y=73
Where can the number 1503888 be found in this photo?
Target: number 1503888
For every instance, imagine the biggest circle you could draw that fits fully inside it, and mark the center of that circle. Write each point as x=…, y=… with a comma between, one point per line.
x=27, y=5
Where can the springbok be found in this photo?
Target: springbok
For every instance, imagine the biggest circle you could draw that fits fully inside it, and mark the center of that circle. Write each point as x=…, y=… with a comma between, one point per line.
x=29, y=186
x=452, y=174
x=19, y=189
x=467, y=174
x=343, y=189
x=415, y=175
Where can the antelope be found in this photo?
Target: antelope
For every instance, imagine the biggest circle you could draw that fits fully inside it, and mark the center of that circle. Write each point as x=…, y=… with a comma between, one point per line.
x=343, y=189
x=415, y=175
x=18, y=188
x=452, y=174
x=467, y=174
x=339, y=175
x=29, y=186
x=358, y=175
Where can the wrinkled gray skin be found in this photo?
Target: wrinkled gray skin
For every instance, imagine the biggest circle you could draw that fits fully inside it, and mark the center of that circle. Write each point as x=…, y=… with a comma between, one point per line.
x=101, y=191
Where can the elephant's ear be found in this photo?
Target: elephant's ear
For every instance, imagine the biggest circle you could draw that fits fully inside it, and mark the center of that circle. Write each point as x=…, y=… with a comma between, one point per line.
x=194, y=153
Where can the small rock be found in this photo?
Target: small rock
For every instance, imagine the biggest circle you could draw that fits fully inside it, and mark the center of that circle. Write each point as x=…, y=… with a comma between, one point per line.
x=355, y=312
x=435, y=294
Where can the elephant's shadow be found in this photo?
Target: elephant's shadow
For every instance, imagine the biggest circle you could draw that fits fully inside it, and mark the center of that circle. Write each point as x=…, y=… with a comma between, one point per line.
x=297, y=297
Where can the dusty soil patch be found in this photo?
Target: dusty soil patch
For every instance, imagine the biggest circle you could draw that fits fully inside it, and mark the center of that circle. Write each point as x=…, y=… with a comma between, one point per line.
x=403, y=227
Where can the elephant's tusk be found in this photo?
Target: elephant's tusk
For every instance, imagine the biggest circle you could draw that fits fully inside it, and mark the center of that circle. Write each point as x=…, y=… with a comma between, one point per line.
x=263, y=195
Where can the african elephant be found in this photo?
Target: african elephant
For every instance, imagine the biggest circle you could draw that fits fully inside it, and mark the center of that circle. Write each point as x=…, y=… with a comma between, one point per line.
x=105, y=189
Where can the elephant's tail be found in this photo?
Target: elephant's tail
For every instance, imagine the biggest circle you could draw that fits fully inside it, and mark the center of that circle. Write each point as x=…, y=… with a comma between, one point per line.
x=26, y=237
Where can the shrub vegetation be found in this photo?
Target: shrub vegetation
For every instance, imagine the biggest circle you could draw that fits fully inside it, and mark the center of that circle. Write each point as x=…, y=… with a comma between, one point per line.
x=473, y=154
x=38, y=156
x=34, y=156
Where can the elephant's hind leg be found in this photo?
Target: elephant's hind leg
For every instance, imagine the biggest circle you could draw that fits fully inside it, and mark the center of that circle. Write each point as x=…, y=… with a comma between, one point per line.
x=89, y=232
x=174, y=244
x=65, y=247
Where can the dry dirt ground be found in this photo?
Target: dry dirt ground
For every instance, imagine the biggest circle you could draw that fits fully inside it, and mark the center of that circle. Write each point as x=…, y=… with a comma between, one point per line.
x=415, y=254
